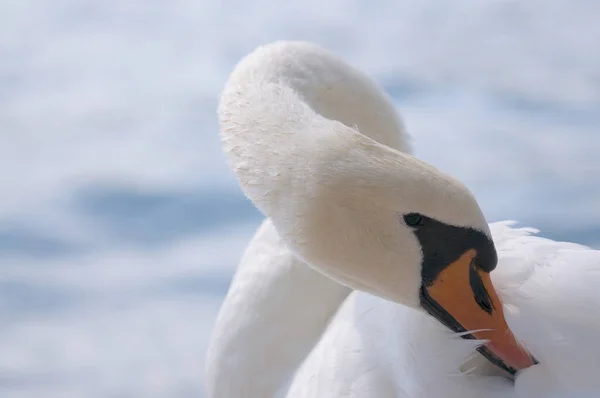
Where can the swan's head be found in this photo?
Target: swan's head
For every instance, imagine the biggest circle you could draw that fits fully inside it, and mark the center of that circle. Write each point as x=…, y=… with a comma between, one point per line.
x=383, y=222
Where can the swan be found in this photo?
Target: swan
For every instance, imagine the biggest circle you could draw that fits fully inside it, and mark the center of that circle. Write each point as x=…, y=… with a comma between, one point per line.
x=370, y=257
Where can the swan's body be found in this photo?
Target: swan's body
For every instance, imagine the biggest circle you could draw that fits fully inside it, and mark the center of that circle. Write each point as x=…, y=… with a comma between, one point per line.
x=333, y=197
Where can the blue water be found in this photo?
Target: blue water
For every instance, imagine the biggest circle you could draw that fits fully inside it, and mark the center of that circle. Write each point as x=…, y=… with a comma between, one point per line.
x=120, y=225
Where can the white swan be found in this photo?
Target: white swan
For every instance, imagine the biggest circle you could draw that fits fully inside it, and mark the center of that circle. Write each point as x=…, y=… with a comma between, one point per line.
x=369, y=217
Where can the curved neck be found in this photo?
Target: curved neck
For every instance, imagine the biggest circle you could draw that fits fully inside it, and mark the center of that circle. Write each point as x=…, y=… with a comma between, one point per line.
x=274, y=313
x=281, y=105
x=286, y=110
x=281, y=85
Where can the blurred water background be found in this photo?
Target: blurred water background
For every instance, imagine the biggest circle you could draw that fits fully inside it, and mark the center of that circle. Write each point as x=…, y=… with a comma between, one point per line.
x=120, y=224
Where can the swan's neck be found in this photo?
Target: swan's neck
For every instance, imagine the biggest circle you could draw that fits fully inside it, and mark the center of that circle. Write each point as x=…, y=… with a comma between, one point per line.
x=274, y=313
x=293, y=118
x=313, y=79
x=278, y=113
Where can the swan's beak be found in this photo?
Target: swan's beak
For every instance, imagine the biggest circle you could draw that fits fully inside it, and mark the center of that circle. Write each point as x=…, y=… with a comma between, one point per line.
x=463, y=298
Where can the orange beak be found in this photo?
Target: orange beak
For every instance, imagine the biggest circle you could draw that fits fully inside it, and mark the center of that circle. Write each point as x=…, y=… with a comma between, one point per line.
x=463, y=298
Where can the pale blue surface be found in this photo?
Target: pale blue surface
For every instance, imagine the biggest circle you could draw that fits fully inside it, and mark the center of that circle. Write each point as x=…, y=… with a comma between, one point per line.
x=120, y=225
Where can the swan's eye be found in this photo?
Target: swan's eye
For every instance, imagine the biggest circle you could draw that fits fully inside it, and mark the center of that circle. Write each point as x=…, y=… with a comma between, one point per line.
x=413, y=219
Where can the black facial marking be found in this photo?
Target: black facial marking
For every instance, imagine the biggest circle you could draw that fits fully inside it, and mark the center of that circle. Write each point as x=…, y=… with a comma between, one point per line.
x=443, y=244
